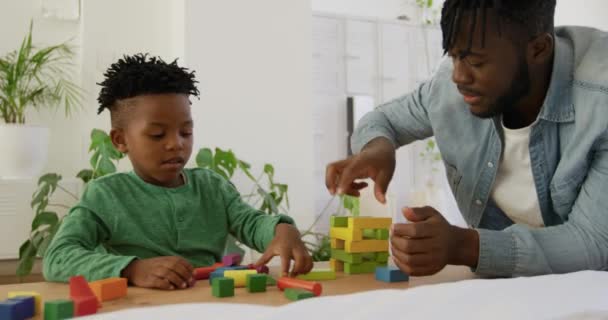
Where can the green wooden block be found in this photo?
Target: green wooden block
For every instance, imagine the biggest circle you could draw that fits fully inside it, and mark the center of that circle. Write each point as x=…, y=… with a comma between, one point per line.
x=256, y=282
x=340, y=222
x=369, y=233
x=381, y=234
x=58, y=309
x=222, y=287
x=364, y=267
x=382, y=257
x=270, y=281
x=341, y=255
x=297, y=294
x=318, y=275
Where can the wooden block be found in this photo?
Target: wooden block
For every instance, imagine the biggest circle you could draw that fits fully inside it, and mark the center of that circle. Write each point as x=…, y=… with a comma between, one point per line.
x=336, y=265
x=26, y=306
x=365, y=267
x=346, y=257
x=391, y=274
x=260, y=269
x=239, y=276
x=79, y=287
x=318, y=275
x=286, y=282
x=256, y=283
x=366, y=246
x=369, y=234
x=382, y=234
x=222, y=287
x=339, y=222
x=203, y=273
x=85, y=305
x=297, y=294
x=337, y=243
x=58, y=309
x=270, y=281
x=382, y=257
x=215, y=274
x=109, y=289
x=9, y=310
x=233, y=259
x=36, y=295
x=346, y=234
x=219, y=272
x=358, y=223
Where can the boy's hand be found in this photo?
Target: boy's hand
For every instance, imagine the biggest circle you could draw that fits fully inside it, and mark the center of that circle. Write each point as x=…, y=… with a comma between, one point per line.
x=288, y=245
x=166, y=273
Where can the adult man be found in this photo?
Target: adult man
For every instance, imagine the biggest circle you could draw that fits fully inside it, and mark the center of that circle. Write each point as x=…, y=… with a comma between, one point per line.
x=519, y=115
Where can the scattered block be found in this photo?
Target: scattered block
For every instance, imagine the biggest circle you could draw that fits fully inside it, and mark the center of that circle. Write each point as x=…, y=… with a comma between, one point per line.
x=297, y=294
x=339, y=222
x=233, y=259
x=58, y=309
x=9, y=310
x=256, y=282
x=85, y=305
x=215, y=274
x=239, y=276
x=109, y=289
x=318, y=275
x=391, y=274
x=222, y=287
x=36, y=295
x=270, y=281
x=286, y=282
x=26, y=307
x=79, y=287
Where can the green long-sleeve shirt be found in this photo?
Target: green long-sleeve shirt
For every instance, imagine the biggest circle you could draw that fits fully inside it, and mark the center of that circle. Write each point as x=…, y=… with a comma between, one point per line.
x=120, y=217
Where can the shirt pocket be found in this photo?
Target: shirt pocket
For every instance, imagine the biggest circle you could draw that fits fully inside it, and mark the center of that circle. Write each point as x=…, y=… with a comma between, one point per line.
x=564, y=193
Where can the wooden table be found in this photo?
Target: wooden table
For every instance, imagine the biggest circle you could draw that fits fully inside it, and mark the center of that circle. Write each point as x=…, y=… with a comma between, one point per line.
x=138, y=297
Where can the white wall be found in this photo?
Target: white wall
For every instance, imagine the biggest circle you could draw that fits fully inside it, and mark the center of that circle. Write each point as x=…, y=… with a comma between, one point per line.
x=253, y=61
x=591, y=13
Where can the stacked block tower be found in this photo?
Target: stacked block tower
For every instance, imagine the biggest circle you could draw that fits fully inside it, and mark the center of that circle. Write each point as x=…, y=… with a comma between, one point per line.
x=359, y=244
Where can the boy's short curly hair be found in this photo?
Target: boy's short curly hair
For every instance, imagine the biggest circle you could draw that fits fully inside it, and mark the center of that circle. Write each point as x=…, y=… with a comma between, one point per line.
x=141, y=74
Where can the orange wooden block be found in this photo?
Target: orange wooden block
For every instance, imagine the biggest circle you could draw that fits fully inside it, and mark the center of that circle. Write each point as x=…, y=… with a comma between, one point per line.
x=109, y=289
x=285, y=282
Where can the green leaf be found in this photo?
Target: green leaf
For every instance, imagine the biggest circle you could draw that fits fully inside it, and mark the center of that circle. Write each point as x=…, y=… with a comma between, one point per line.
x=269, y=170
x=52, y=179
x=27, y=253
x=204, y=158
x=244, y=166
x=226, y=160
x=47, y=240
x=45, y=218
x=106, y=167
x=85, y=175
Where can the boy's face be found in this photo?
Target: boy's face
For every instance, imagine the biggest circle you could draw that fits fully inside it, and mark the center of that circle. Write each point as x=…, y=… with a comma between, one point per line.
x=157, y=137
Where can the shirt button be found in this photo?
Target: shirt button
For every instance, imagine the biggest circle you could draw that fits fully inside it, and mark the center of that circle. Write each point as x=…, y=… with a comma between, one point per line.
x=478, y=202
x=490, y=165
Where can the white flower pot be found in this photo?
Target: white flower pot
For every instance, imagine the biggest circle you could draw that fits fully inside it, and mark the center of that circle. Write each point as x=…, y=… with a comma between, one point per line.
x=23, y=151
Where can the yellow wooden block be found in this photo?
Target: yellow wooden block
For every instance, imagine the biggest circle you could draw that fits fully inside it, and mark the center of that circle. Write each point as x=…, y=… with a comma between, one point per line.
x=347, y=234
x=366, y=246
x=239, y=276
x=336, y=265
x=337, y=243
x=36, y=295
x=358, y=223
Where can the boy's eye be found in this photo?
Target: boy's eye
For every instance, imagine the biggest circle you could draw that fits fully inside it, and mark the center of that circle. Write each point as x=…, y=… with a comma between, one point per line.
x=156, y=136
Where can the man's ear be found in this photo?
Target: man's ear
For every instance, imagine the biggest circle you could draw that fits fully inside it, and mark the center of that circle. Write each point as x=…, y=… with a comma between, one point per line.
x=540, y=49
x=118, y=140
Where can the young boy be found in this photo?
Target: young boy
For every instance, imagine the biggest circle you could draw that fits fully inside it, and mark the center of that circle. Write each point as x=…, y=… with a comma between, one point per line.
x=155, y=224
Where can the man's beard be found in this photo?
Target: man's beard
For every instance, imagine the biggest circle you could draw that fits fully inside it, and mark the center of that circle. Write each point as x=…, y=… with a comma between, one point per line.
x=520, y=87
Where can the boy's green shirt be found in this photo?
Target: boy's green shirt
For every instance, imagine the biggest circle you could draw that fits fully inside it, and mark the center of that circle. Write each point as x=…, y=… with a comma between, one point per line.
x=131, y=219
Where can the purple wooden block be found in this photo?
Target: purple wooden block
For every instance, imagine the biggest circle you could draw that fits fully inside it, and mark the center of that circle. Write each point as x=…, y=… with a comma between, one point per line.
x=232, y=259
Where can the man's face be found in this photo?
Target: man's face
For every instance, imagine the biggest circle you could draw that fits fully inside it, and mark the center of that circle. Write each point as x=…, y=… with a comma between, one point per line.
x=158, y=137
x=494, y=78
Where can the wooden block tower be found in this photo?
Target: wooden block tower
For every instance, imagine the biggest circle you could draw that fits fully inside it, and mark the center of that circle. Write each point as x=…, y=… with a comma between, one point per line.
x=359, y=244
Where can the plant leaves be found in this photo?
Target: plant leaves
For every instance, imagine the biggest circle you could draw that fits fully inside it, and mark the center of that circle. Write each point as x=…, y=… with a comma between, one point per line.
x=44, y=218
x=85, y=175
x=204, y=158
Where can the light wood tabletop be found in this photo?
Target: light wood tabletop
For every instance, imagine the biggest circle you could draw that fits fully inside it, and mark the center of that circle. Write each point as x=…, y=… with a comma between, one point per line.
x=201, y=292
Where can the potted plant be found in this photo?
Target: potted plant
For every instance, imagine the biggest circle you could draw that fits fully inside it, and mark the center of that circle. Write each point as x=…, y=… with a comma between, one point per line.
x=38, y=78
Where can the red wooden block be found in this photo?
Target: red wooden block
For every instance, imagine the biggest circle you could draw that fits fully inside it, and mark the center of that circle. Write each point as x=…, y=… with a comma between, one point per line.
x=204, y=272
x=314, y=287
x=233, y=259
x=85, y=305
x=80, y=288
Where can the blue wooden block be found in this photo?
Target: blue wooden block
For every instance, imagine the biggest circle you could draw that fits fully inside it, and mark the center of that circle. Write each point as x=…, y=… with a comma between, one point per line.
x=9, y=310
x=391, y=274
x=26, y=306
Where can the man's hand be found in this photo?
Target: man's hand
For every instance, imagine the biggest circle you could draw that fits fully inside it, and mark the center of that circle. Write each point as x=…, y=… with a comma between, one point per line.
x=288, y=245
x=376, y=161
x=166, y=273
x=428, y=243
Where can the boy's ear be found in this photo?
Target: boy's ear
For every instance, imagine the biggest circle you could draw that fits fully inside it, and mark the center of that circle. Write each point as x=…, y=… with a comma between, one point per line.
x=118, y=140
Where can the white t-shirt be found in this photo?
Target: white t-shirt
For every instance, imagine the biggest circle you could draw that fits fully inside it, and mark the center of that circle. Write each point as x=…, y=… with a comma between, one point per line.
x=514, y=191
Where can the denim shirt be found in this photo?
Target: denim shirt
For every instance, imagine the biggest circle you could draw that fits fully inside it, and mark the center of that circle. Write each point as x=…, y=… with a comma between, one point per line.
x=568, y=155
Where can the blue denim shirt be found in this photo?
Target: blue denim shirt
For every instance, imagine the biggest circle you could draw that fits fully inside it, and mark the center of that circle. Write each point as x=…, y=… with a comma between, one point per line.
x=568, y=154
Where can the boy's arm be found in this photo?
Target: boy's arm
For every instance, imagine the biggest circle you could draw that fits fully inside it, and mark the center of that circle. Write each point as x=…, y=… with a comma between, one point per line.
x=252, y=227
x=73, y=250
